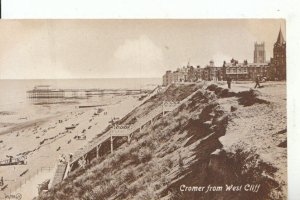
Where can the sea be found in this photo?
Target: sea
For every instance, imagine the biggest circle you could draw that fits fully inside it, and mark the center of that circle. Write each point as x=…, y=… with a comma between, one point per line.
x=13, y=92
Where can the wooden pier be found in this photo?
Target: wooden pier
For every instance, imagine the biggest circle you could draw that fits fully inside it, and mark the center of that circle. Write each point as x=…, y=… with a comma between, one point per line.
x=45, y=91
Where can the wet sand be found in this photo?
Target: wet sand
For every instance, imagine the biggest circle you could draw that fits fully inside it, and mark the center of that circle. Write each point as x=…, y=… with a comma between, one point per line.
x=43, y=140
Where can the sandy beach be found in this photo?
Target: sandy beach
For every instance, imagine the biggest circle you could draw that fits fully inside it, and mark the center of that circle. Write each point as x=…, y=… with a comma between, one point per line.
x=43, y=140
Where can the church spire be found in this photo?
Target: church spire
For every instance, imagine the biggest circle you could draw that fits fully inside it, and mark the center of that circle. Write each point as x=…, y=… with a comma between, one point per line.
x=280, y=39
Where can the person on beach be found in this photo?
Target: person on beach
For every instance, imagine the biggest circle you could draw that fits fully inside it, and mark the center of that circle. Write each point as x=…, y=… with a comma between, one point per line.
x=257, y=82
x=229, y=82
x=10, y=158
x=70, y=157
x=62, y=158
x=1, y=181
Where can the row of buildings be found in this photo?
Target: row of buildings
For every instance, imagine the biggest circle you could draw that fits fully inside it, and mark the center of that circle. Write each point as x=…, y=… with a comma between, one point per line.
x=273, y=70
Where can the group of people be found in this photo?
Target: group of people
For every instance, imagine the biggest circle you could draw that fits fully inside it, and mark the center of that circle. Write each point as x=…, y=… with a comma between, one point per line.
x=257, y=81
x=62, y=158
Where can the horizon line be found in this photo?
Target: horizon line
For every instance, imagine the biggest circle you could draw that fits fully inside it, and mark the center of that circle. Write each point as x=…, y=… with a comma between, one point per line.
x=78, y=78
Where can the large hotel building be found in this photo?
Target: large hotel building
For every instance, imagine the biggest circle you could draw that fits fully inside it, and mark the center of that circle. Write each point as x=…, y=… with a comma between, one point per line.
x=273, y=70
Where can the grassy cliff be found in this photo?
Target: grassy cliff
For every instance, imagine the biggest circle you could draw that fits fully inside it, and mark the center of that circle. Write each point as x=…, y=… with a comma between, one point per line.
x=180, y=148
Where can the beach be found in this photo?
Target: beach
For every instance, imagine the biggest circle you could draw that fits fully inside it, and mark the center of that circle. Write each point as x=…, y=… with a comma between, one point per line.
x=43, y=132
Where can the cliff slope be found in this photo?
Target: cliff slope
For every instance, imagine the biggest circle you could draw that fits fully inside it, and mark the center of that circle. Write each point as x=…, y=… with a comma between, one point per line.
x=217, y=137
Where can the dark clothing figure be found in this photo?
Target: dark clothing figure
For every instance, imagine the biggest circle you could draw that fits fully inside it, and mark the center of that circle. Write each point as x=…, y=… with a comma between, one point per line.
x=229, y=82
x=257, y=82
x=70, y=157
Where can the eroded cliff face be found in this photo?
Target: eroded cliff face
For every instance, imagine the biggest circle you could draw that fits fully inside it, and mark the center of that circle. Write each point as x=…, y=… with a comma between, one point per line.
x=186, y=148
x=237, y=171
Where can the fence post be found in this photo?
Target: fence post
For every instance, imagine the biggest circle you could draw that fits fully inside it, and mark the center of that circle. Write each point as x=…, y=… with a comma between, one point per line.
x=97, y=154
x=111, y=144
x=163, y=108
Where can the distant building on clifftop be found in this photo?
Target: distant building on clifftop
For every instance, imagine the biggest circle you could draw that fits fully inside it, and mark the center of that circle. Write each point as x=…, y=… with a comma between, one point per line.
x=212, y=72
x=245, y=71
x=185, y=74
x=168, y=78
x=273, y=70
x=259, y=53
x=278, y=62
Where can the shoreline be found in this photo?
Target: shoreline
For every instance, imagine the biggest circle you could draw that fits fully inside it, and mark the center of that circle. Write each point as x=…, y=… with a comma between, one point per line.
x=27, y=124
x=46, y=138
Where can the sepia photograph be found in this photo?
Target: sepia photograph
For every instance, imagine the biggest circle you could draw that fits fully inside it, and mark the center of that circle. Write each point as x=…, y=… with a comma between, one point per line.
x=143, y=109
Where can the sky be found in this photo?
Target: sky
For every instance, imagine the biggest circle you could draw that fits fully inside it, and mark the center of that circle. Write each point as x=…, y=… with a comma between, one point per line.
x=66, y=49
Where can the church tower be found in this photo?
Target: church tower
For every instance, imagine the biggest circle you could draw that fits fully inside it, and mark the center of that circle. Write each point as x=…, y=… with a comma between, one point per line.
x=259, y=53
x=279, y=57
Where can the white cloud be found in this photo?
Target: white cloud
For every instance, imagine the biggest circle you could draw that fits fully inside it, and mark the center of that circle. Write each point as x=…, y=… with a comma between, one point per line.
x=138, y=58
x=220, y=57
